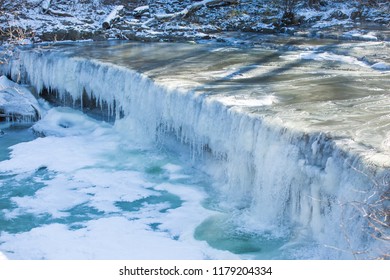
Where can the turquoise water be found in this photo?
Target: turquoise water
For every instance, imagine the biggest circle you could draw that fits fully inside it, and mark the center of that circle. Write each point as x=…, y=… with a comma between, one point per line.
x=224, y=233
x=61, y=184
x=13, y=134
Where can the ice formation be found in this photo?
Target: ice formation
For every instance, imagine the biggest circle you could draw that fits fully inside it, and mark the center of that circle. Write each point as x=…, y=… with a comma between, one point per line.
x=283, y=180
x=16, y=102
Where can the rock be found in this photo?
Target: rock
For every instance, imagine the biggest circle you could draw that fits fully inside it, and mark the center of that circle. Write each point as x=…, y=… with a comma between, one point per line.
x=140, y=11
x=313, y=19
x=99, y=36
x=339, y=15
x=88, y=20
x=289, y=19
x=17, y=103
x=74, y=35
x=356, y=15
x=67, y=34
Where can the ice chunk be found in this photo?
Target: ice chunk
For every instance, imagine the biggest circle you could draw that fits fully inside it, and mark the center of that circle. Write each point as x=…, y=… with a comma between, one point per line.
x=381, y=66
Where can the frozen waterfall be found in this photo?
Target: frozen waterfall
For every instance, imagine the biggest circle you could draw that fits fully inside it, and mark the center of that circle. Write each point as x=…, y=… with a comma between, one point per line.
x=273, y=177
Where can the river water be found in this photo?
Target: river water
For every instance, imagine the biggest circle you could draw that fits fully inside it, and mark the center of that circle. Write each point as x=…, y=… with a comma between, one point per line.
x=271, y=150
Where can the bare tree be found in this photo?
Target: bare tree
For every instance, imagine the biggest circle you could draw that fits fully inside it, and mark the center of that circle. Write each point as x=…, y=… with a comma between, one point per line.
x=375, y=209
x=11, y=35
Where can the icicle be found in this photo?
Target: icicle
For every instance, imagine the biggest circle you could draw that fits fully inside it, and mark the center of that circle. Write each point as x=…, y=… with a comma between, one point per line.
x=283, y=178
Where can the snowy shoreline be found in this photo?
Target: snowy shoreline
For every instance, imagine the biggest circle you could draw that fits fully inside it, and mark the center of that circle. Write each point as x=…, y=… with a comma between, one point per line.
x=82, y=20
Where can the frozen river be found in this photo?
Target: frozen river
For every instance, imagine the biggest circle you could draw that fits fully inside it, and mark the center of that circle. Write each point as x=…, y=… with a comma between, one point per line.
x=275, y=150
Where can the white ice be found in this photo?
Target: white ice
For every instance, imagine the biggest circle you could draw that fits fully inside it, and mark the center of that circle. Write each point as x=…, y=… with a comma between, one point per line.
x=91, y=166
x=329, y=56
x=18, y=101
x=381, y=66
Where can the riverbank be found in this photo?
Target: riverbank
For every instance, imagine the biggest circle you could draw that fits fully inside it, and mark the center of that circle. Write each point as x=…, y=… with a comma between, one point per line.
x=24, y=22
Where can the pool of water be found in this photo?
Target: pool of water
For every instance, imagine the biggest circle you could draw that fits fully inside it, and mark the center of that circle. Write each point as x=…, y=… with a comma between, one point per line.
x=75, y=193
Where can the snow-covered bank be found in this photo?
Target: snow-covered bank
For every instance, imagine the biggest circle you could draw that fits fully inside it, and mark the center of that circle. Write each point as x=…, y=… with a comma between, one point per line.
x=277, y=178
x=170, y=20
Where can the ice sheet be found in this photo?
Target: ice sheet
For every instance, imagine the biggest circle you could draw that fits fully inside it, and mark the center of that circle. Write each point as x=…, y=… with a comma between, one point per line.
x=97, y=198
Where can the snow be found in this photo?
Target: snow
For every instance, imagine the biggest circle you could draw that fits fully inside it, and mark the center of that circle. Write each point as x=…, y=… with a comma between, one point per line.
x=133, y=241
x=45, y=4
x=85, y=18
x=37, y=16
x=333, y=22
x=99, y=170
x=62, y=122
x=17, y=102
x=141, y=9
x=112, y=16
x=357, y=34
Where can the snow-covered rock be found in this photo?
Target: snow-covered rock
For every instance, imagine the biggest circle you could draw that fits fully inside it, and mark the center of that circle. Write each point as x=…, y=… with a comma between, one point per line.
x=359, y=35
x=140, y=11
x=17, y=103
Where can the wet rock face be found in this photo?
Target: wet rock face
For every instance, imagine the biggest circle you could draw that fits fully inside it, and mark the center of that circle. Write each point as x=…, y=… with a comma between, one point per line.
x=68, y=34
x=339, y=15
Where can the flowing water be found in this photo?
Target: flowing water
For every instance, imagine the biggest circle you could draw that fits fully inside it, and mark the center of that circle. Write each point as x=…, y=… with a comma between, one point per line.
x=267, y=151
